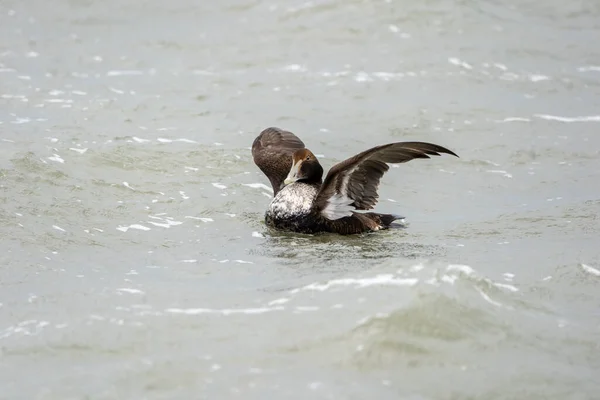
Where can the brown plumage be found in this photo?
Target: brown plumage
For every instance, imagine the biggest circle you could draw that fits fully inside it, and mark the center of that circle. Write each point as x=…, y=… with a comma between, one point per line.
x=272, y=151
x=358, y=177
x=303, y=202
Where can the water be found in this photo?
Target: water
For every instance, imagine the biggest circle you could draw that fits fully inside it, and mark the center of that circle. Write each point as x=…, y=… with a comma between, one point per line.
x=134, y=259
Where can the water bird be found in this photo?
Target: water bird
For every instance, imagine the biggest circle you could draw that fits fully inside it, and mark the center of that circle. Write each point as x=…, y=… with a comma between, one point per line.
x=305, y=203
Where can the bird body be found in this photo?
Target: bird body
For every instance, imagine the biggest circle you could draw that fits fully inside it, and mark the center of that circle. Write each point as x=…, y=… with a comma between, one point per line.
x=303, y=202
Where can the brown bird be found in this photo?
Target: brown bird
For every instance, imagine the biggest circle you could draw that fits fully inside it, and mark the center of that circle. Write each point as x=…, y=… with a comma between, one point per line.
x=304, y=203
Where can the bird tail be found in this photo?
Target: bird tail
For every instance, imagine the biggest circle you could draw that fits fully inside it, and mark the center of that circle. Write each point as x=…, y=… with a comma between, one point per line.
x=383, y=220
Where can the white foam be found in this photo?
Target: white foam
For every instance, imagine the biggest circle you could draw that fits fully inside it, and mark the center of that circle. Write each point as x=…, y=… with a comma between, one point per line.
x=80, y=151
x=458, y=62
x=487, y=298
x=589, y=118
x=133, y=226
x=514, y=119
x=56, y=158
x=243, y=262
x=465, y=269
x=183, y=196
x=124, y=73
x=282, y=300
x=590, y=68
x=508, y=276
x=306, y=308
x=13, y=96
x=225, y=311
x=295, y=68
x=379, y=315
x=257, y=235
x=25, y=328
x=499, y=171
x=417, y=268
x=167, y=222
x=140, y=140
x=590, y=270
x=386, y=76
x=19, y=121
x=202, y=72
x=506, y=286
x=257, y=186
x=383, y=280
x=130, y=290
x=127, y=185
x=117, y=91
x=219, y=185
x=203, y=219
x=58, y=101
x=362, y=77
x=58, y=228
x=538, y=78
x=189, y=261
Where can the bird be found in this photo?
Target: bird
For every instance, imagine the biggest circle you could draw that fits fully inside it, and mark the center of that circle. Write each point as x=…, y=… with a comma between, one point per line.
x=304, y=202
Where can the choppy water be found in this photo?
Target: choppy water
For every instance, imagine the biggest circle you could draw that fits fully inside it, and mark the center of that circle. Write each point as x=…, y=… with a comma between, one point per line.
x=134, y=262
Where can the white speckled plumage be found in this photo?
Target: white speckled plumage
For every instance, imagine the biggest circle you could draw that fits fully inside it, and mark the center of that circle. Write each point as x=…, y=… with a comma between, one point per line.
x=293, y=201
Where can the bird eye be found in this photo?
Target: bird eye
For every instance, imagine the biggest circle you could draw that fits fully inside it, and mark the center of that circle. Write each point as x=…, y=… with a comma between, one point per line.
x=307, y=158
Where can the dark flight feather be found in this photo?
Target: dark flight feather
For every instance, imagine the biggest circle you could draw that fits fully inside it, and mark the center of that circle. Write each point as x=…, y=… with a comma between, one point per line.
x=353, y=183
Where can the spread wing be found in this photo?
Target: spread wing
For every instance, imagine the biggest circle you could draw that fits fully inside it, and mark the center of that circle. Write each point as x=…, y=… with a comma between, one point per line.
x=272, y=152
x=352, y=184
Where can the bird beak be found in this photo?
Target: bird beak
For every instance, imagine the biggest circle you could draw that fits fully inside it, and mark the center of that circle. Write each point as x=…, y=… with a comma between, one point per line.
x=293, y=175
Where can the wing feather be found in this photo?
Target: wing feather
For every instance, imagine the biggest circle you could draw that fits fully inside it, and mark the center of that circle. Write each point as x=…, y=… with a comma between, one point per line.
x=352, y=184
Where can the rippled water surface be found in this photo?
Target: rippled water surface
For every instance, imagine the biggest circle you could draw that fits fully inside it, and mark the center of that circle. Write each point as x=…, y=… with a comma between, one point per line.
x=134, y=260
